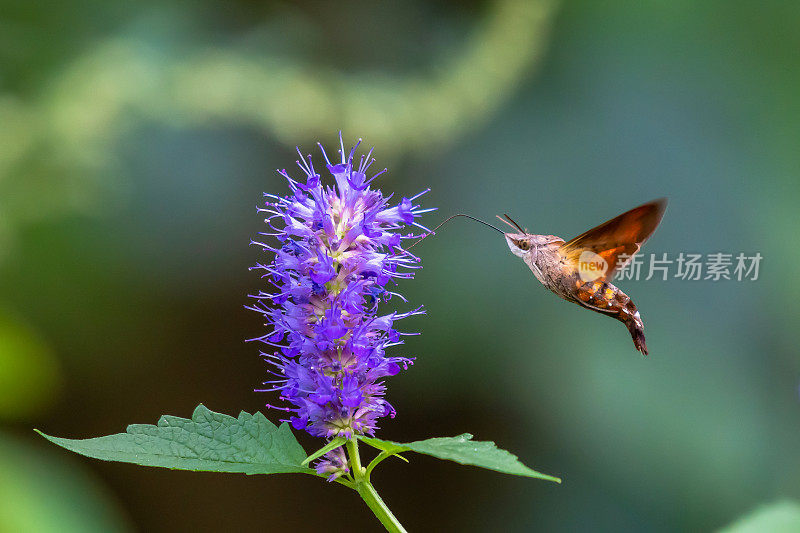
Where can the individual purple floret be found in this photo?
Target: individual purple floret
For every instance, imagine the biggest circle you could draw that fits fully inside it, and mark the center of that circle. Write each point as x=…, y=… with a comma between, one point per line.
x=339, y=250
x=333, y=464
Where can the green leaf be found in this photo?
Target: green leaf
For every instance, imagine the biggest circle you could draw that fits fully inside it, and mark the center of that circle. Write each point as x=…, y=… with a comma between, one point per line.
x=462, y=449
x=383, y=445
x=388, y=449
x=335, y=443
x=209, y=442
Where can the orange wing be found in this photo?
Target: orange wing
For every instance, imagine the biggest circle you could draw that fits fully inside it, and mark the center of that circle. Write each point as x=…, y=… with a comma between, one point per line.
x=624, y=234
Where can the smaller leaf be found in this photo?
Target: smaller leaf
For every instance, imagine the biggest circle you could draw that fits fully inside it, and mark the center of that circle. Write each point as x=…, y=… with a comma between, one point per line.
x=335, y=443
x=462, y=449
x=382, y=445
x=209, y=442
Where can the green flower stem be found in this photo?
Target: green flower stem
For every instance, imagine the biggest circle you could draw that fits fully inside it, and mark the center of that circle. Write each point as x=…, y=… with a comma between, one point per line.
x=379, y=508
x=368, y=493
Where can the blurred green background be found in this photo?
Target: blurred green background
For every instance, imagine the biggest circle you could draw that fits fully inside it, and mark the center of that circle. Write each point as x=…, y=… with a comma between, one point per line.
x=137, y=138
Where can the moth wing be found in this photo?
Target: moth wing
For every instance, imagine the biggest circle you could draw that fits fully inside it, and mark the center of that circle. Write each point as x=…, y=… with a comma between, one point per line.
x=623, y=236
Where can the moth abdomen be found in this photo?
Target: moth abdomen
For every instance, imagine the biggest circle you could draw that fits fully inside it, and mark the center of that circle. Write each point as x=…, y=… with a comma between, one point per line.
x=608, y=299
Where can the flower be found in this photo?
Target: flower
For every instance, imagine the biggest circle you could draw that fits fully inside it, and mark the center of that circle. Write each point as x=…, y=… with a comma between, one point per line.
x=333, y=464
x=339, y=248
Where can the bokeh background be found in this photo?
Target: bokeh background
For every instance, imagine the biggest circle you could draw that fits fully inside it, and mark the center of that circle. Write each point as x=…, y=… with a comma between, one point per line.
x=136, y=140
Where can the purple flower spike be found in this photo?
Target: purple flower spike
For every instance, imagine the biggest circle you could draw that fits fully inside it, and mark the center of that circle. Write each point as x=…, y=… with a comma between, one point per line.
x=339, y=248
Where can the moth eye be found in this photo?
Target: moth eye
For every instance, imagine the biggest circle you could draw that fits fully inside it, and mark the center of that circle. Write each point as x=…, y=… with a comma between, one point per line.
x=524, y=245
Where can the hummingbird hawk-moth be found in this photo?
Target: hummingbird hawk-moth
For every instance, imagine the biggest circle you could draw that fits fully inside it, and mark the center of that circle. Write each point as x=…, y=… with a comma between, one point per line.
x=580, y=270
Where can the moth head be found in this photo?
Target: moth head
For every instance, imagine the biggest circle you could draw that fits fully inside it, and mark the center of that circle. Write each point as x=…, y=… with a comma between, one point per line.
x=519, y=243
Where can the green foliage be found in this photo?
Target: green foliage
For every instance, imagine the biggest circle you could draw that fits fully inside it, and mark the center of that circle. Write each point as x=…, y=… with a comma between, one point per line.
x=209, y=442
x=30, y=377
x=462, y=449
x=45, y=492
x=779, y=517
x=251, y=444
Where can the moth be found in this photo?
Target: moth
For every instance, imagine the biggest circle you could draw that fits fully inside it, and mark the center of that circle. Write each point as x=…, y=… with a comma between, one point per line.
x=580, y=270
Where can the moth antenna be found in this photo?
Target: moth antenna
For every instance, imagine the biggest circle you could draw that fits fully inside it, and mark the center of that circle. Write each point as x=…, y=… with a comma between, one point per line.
x=514, y=223
x=448, y=219
x=506, y=222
